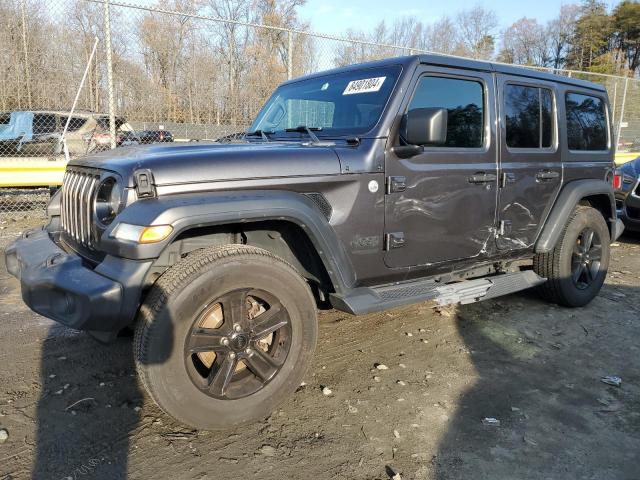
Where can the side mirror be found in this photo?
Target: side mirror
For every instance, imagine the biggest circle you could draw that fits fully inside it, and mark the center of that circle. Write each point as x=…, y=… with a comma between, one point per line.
x=424, y=126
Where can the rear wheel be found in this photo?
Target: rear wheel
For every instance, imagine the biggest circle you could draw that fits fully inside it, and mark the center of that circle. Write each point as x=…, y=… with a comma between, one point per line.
x=576, y=268
x=225, y=336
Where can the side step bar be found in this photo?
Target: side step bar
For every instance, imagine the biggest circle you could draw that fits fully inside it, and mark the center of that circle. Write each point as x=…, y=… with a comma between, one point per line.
x=366, y=300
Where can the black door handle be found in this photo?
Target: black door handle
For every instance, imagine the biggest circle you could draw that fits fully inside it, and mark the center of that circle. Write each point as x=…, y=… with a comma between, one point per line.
x=547, y=175
x=482, y=177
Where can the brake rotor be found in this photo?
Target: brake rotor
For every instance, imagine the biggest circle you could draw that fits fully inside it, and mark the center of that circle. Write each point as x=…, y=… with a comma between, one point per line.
x=214, y=318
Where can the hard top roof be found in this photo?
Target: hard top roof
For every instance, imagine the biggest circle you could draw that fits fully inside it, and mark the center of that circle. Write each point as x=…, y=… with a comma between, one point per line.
x=460, y=62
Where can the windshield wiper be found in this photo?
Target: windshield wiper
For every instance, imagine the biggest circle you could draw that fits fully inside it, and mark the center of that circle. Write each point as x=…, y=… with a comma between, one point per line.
x=260, y=133
x=307, y=130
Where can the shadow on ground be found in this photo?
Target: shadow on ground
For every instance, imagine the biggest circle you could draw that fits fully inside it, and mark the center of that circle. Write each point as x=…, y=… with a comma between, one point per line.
x=557, y=419
x=88, y=408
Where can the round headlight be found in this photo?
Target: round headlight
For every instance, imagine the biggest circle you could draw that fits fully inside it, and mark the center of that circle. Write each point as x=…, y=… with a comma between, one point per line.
x=107, y=201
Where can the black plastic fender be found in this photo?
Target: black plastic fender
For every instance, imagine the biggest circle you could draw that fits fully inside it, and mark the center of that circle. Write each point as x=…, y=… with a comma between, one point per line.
x=194, y=210
x=569, y=197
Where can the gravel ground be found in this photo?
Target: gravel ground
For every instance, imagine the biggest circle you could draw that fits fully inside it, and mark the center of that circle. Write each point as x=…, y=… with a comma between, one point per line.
x=72, y=408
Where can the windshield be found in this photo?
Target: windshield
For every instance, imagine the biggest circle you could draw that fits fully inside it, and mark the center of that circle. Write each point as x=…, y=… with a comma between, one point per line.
x=346, y=103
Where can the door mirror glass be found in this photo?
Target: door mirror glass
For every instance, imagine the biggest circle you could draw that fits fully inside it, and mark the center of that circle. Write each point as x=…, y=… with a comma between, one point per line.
x=424, y=126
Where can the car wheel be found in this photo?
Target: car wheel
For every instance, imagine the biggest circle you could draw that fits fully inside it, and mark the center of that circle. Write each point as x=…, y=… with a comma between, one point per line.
x=225, y=335
x=576, y=268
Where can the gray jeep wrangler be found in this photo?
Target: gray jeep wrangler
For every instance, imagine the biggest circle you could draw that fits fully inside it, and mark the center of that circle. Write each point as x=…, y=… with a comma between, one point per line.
x=413, y=179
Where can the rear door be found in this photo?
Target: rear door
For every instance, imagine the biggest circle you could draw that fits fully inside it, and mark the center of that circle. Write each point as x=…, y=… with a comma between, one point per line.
x=440, y=204
x=530, y=159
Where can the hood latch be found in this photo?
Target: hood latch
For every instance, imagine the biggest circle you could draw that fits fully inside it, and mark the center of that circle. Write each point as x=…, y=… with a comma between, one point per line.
x=144, y=183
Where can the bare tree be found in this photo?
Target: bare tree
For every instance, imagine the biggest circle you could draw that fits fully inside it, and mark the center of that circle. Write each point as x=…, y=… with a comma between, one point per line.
x=476, y=28
x=559, y=32
x=525, y=43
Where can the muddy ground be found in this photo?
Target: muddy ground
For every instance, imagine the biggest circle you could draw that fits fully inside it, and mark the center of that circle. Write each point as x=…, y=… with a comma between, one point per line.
x=534, y=367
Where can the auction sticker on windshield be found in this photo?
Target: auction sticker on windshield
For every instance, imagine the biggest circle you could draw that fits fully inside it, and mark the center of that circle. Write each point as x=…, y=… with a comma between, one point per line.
x=365, y=85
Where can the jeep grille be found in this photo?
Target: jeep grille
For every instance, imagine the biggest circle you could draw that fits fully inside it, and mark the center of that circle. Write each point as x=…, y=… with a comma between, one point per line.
x=76, y=204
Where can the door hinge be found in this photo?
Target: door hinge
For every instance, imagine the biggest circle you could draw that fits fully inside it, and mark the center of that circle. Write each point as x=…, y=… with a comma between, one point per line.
x=144, y=183
x=505, y=227
x=396, y=184
x=393, y=240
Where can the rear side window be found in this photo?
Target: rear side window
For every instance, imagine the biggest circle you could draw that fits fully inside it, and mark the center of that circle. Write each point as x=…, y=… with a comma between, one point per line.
x=44, y=123
x=586, y=122
x=464, y=101
x=529, y=116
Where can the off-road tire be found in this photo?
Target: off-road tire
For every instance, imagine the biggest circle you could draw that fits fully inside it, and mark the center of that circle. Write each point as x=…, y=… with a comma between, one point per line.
x=556, y=265
x=167, y=315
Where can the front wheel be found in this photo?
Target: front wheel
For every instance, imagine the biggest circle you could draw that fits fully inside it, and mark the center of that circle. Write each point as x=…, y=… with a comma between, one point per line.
x=225, y=335
x=577, y=266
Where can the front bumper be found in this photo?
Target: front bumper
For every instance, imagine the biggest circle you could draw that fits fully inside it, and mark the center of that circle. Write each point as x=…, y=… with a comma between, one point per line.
x=58, y=285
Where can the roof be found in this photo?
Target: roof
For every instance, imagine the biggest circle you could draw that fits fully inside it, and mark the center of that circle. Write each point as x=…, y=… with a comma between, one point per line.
x=460, y=62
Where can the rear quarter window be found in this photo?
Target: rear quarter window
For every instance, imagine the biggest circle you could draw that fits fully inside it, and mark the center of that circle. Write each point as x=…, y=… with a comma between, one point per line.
x=586, y=123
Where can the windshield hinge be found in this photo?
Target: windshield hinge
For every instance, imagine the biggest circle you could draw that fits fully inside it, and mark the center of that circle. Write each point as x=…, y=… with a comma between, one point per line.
x=143, y=180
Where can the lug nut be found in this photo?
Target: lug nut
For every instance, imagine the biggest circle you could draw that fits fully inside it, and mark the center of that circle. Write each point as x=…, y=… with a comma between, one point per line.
x=232, y=355
x=225, y=341
x=248, y=351
x=237, y=328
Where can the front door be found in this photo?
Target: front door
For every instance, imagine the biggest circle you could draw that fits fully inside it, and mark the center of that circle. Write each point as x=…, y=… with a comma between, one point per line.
x=530, y=161
x=441, y=204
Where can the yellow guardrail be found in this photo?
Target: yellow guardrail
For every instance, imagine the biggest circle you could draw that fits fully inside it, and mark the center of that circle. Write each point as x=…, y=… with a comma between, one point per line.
x=44, y=172
x=626, y=157
x=32, y=171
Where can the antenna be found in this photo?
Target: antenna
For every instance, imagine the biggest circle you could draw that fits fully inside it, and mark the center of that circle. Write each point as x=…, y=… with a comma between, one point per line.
x=63, y=140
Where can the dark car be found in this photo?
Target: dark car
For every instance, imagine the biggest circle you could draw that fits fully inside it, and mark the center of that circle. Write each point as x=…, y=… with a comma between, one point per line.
x=627, y=191
x=155, y=136
x=362, y=188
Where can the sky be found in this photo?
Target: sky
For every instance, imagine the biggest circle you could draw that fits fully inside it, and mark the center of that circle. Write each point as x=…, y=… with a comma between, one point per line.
x=337, y=16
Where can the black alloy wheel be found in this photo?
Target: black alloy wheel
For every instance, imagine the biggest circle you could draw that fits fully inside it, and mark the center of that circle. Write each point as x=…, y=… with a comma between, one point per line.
x=586, y=258
x=238, y=344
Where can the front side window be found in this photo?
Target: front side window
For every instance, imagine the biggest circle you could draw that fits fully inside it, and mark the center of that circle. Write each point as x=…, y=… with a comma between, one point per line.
x=586, y=122
x=528, y=116
x=464, y=101
x=344, y=103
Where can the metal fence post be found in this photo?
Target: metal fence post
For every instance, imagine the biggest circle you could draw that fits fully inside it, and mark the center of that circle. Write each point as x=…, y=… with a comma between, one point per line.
x=290, y=55
x=26, y=53
x=624, y=98
x=112, y=104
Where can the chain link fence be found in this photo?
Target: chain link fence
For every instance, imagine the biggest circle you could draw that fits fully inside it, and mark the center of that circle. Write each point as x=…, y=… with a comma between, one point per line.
x=80, y=76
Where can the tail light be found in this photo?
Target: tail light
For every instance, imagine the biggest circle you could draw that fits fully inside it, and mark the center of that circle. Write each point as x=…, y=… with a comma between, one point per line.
x=617, y=181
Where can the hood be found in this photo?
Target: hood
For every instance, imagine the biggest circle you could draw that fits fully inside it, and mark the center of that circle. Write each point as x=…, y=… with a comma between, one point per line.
x=177, y=163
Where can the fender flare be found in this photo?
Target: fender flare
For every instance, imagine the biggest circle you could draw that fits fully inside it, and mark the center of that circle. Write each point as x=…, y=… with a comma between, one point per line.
x=194, y=210
x=569, y=197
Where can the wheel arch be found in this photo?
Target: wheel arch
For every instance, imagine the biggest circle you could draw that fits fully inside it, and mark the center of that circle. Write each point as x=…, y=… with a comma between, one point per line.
x=594, y=193
x=283, y=238
x=287, y=224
